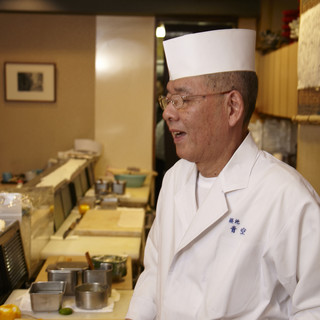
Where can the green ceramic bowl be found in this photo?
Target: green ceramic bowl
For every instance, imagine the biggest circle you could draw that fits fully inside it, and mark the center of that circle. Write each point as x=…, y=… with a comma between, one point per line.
x=133, y=180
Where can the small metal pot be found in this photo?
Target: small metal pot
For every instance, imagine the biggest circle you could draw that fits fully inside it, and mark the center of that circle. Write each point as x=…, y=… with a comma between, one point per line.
x=91, y=296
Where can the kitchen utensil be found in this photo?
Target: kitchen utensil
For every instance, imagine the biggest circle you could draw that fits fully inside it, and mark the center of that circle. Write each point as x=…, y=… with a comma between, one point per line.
x=72, y=226
x=46, y=295
x=91, y=296
x=91, y=266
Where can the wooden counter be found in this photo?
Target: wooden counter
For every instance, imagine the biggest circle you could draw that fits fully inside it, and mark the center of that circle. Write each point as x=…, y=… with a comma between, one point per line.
x=79, y=245
x=133, y=197
x=76, y=245
x=125, y=222
x=122, y=289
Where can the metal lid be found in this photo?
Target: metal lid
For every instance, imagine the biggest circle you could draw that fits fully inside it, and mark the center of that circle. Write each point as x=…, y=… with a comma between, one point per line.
x=72, y=265
x=68, y=266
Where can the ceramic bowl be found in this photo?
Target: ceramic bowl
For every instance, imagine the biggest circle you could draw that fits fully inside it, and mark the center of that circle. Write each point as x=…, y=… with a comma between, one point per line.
x=132, y=180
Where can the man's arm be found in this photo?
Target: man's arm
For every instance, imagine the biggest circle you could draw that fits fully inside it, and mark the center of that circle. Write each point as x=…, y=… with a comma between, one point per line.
x=142, y=305
x=296, y=253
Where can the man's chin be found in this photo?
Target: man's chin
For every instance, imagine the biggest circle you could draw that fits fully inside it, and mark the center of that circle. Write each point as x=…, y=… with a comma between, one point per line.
x=184, y=155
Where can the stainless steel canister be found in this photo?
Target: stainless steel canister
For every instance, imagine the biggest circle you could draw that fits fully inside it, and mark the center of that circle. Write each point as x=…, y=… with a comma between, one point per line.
x=102, y=187
x=109, y=268
x=98, y=276
x=119, y=187
x=69, y=276
x=91, y=296
x=70, y=272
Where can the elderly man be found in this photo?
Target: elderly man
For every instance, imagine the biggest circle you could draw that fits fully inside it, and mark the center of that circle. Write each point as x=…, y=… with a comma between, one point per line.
x=237, y=232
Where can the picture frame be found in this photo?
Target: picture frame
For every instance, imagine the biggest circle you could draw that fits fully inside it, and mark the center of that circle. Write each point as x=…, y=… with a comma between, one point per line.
x=30, y=82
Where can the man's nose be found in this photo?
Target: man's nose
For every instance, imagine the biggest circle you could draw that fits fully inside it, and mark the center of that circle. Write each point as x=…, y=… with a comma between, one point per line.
x=170, y=112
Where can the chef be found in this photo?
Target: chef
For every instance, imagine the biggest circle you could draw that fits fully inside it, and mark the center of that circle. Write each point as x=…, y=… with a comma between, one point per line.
x=237, y=232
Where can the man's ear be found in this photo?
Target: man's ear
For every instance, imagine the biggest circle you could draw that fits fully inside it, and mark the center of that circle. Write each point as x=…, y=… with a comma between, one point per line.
x=235, y=108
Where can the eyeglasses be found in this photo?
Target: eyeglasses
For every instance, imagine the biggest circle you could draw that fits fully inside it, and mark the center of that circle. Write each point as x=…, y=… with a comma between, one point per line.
x=179, y=101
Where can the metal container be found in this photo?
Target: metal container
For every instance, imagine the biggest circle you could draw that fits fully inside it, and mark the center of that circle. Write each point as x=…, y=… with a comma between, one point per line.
x=47, y=295
x=119, y=187
x=119, y=264
x=91, y=296
x=109, y=268
x=109, y=202
x=102, y=275
x=70, y=272
x=102, y=187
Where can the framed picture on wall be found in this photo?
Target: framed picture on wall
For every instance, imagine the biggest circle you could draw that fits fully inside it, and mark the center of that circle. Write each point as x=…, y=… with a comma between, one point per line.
x=32, y=82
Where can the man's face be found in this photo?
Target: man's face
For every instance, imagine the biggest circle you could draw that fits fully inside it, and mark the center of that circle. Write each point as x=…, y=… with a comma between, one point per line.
x=199, y=129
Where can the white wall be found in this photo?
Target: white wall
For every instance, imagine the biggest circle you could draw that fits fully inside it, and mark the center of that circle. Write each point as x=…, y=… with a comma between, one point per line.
x=125, y=62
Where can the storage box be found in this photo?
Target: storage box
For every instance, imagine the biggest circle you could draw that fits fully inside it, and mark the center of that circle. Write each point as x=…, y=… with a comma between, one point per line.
x=69, y=272
x=47, y=295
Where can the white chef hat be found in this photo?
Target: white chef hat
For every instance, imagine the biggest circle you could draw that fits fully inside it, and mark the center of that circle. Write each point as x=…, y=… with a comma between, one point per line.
x=210, y=52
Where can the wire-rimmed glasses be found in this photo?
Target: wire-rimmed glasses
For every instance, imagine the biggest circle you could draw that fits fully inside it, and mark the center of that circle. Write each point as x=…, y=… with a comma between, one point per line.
x=178, y=101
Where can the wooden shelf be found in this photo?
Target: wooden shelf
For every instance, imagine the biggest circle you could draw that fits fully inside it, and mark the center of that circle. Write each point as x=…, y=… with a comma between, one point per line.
x=278, y=81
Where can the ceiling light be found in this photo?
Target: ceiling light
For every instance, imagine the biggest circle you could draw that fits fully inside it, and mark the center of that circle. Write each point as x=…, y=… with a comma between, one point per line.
x=161, y=31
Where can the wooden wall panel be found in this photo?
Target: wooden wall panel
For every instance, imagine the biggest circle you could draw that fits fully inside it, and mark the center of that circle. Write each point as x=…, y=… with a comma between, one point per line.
x=277, y=72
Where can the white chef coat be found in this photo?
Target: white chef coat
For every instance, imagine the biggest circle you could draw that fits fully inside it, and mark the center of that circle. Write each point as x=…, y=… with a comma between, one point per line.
x=250, y=251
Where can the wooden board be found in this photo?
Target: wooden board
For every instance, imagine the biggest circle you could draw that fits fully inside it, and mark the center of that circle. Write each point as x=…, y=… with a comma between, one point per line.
x=124, y=222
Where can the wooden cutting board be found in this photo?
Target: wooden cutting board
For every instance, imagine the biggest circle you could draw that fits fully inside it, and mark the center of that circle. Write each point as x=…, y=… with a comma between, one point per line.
x=124, y=222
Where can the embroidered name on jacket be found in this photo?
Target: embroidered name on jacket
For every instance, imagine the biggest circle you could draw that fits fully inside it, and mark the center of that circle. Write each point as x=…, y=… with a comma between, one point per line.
x=235, y=226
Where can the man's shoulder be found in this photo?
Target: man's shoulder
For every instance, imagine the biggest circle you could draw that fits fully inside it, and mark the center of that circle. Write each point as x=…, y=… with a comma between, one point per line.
x=281, y=176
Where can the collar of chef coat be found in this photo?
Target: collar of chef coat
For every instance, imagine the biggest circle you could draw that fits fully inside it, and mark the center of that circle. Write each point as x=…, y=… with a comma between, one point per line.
x=234, y=176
